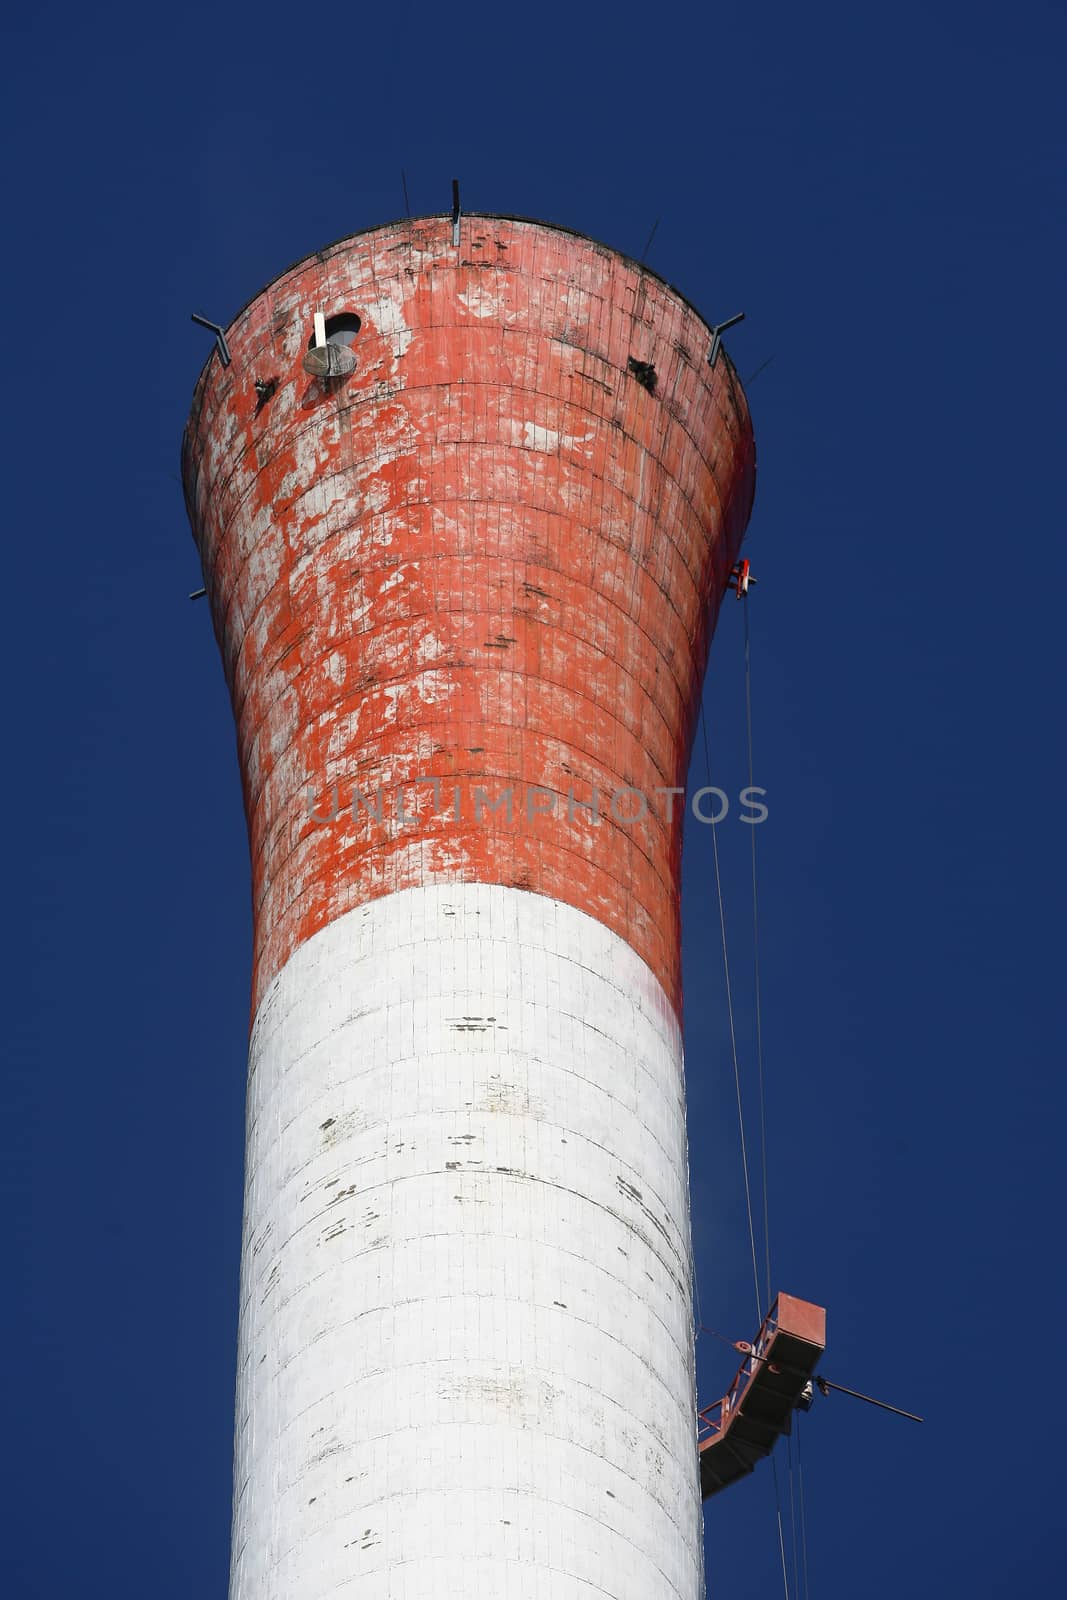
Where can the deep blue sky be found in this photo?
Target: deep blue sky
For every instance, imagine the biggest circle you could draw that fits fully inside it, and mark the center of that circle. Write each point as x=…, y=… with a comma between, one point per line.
x=880, y=188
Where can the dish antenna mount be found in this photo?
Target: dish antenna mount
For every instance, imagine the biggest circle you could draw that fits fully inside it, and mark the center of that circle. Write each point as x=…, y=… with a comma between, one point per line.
x=327, y=359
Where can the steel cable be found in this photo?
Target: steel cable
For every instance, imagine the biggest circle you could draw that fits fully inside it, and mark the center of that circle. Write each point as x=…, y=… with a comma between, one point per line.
x=733, y=1034
x=756, y=967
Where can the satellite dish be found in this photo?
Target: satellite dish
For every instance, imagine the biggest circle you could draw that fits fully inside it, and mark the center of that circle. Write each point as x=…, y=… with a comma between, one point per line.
x=329, y=361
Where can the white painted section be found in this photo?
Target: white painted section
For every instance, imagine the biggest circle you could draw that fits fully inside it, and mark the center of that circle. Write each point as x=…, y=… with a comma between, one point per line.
x=466, y=1356
x=482, y=302
x=550, y=440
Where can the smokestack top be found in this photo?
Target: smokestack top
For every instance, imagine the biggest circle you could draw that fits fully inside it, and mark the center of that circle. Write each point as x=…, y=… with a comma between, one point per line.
x=480, y=546
x=442, y=220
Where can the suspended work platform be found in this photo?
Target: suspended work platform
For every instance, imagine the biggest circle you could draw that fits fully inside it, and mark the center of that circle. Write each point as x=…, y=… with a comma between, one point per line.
x=772, y=1381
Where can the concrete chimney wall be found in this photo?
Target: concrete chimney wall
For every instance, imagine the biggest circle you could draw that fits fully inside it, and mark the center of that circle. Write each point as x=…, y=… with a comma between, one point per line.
x=464, y=596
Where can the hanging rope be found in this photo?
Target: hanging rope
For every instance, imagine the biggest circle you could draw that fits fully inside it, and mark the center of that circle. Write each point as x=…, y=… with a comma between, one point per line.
x=741, y=1125
x=781, y=1535
x=793, y=1516
x=763, y=1114
x=733, y=1034
x=803, y=1520
x=756, y=968
x=801, y=1544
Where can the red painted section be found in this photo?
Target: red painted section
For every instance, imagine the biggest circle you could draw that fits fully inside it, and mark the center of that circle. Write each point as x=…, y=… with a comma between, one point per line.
x=490, y=555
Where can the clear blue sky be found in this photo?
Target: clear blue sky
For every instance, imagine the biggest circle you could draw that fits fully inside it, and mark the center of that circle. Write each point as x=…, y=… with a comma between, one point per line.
x=880, y=188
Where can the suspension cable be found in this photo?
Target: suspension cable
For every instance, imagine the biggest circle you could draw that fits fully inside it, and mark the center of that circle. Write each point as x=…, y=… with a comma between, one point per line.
x=763, y=1115
x=733, y=1034
x=756, y=967
x=803, y=1518
x=793, y=1516
x=781, y=1535
x=762, y=1098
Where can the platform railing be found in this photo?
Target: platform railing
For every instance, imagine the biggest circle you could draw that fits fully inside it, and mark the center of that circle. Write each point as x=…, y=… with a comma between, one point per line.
x=714, y=1420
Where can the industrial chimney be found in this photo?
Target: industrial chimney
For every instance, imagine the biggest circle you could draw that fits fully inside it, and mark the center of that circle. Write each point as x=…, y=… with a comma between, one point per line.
x=463, y=572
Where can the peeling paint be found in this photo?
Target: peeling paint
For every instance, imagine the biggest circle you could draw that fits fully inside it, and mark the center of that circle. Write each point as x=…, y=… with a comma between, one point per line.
x=512, y=1327
x=488, y=554
x=352, y=539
